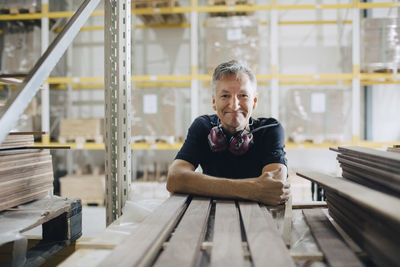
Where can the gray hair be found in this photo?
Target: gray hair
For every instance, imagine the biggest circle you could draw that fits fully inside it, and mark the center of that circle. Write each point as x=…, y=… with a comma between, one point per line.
x=232, y=67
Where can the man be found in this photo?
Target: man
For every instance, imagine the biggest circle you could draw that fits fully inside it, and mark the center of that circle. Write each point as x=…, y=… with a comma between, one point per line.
x=241, y=157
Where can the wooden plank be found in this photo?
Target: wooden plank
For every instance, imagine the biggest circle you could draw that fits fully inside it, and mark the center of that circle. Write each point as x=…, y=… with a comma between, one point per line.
x=384, y=176
x=287, y=222
x=140, y=248
x=385, y=157
x=227, y=241
x=336, y=252
x=265, y=242
x=369, y=163
x=183, y=248
x=380, y=203
x=309, y=205
x=353, y=176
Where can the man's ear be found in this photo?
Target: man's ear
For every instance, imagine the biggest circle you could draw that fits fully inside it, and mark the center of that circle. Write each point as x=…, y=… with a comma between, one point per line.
x=255, y=99
x=213, y=103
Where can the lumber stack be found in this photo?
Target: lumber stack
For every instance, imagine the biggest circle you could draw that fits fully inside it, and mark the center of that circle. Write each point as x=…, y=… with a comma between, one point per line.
x=374, y=168
x=25, y=174
x=365, y=202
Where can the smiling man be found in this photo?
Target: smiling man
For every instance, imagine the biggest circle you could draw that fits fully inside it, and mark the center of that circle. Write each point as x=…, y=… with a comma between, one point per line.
x=241, y=157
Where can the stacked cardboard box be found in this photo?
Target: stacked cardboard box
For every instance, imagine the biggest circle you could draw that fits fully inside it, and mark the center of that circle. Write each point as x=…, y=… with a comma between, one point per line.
x=90, y=188
x=81, y=130
x=153, y=114
x=318, y=115
x=230, y=38
x=21, y=47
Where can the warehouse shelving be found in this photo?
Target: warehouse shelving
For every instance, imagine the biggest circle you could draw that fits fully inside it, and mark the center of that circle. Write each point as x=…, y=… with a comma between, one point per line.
x=275, y=79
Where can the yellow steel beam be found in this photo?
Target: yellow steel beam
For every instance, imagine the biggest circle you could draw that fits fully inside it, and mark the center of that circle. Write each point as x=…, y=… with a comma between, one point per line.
x=141, y=78
x=233, y=8
x=177, y=146
x=312, y=22
x=161, y=10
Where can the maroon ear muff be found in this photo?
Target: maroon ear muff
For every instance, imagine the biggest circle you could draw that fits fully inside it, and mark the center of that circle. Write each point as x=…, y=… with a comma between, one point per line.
x=239, y=144
x=217, y=139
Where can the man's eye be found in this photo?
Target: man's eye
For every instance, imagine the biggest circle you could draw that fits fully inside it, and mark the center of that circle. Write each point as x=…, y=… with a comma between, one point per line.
x=224, y=96
x=244, y=95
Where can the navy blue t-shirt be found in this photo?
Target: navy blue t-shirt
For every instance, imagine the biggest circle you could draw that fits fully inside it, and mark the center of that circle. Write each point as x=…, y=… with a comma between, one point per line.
x=268, y=148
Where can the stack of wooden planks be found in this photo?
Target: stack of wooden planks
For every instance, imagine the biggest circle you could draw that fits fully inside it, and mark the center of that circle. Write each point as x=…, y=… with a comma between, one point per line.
x=394, y=148
x=25, y=174
x=366, y=204
x=374, y=168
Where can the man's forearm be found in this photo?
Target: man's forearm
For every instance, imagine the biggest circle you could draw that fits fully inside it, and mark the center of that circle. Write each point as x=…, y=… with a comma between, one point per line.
x=200, y=184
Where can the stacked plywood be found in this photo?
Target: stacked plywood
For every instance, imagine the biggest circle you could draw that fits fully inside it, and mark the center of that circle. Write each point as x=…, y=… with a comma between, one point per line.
x=81, y=130
x=25, y=174
x=366, y=203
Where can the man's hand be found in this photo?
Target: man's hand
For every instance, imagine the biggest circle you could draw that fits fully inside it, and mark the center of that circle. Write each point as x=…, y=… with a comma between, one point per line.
x=270, y=189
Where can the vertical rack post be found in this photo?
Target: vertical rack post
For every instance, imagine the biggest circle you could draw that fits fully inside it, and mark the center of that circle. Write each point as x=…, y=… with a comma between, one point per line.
x=194, y=84
x=117, y=68
x=356, y=73
x=45, y=98
x=274, y=54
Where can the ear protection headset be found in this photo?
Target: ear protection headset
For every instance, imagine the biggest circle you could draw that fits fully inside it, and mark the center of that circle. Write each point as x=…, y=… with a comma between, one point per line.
x=238, y=144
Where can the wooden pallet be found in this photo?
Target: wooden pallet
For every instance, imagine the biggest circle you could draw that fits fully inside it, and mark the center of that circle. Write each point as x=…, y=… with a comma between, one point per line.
x=18, y=10
x=61, y=221
x=230, y=3
x=159, y=19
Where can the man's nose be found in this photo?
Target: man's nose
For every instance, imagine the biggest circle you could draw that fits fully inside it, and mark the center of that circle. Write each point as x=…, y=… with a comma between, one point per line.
x=235, y=102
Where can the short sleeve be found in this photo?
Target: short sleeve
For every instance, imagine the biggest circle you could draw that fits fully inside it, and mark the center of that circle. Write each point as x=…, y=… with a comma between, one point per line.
x=192, y=149
x=274, y=143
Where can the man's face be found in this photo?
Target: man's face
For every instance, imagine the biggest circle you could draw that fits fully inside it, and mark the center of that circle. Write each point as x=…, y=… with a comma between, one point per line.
x=234, y=100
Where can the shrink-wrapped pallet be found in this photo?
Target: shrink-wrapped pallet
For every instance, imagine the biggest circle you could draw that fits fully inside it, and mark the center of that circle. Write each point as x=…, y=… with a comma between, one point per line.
x=230, y=38
x=21, y=47
x=153, y=114
x=318, y=115
x=380, y=44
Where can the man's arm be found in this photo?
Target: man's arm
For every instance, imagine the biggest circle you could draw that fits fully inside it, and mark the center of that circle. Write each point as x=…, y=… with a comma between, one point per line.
x=267, y=188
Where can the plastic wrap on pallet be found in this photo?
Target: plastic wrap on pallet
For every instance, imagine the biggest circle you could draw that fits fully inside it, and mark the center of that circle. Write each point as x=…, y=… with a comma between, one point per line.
x=380, y=50
x=21, y=47
x=232, y=38
x=318, y=115
x=153, y=114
